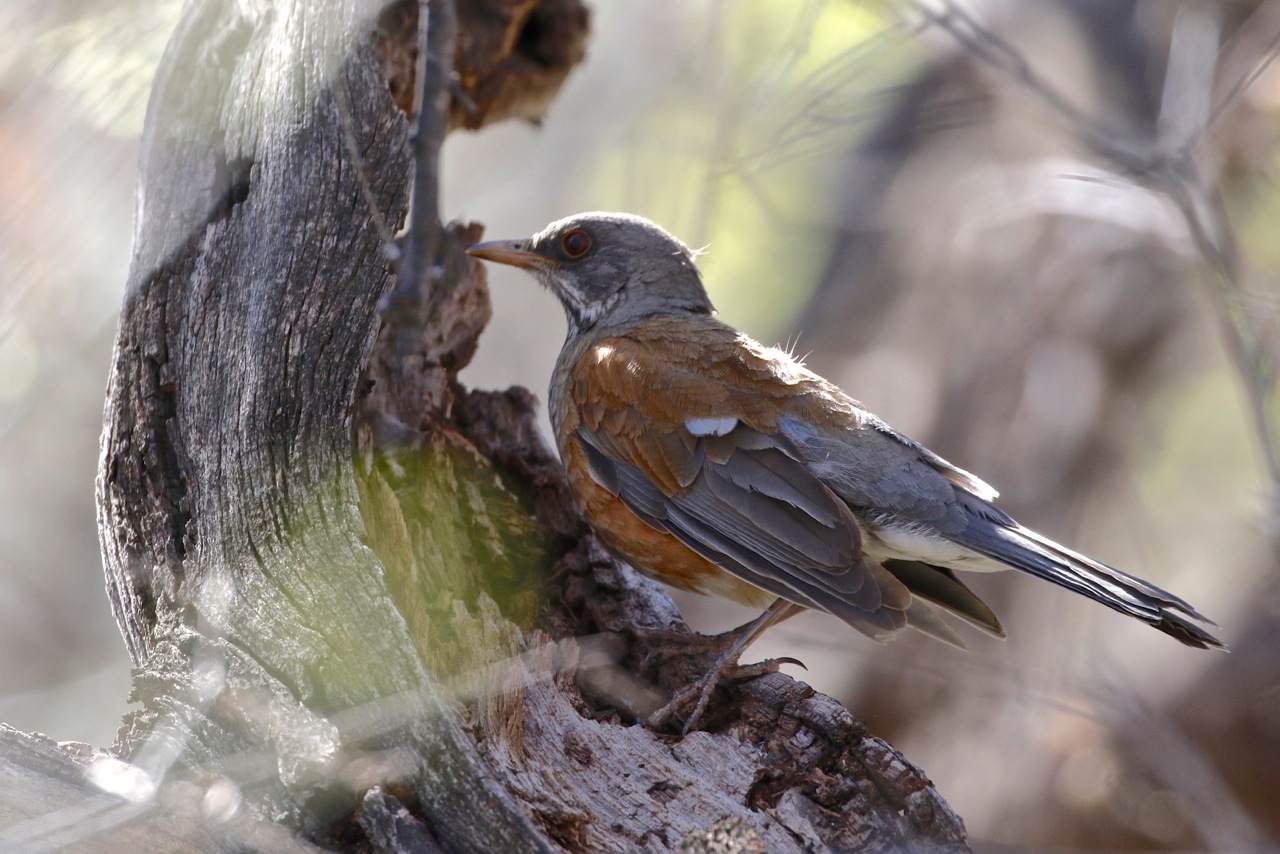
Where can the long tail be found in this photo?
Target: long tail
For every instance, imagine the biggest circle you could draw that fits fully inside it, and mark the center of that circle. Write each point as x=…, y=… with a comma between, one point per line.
x=1024, y=549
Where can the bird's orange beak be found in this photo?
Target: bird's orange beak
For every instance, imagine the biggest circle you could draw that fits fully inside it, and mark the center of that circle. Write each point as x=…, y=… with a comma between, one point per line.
x=513, y=252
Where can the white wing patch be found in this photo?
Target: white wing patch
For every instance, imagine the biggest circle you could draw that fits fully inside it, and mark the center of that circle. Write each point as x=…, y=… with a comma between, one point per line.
x=710, y=426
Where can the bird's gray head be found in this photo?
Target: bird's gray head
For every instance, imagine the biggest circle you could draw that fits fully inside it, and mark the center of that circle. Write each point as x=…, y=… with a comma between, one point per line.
x=607, y=269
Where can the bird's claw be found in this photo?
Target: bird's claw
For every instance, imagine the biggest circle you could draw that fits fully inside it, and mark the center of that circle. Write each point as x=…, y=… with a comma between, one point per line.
x=745, y=672
x=705, y=687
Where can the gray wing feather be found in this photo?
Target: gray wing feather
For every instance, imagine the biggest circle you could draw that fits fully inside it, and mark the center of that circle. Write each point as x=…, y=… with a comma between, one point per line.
x=873, y=469
x=758, y=512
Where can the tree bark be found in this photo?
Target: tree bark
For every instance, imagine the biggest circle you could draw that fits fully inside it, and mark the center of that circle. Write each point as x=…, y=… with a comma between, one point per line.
x=359, y=601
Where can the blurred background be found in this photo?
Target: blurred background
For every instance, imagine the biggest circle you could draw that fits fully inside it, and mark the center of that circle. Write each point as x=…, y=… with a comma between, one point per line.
x=958, y=213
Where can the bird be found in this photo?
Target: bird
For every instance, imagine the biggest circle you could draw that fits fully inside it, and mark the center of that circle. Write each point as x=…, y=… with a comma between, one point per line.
x=715, y=464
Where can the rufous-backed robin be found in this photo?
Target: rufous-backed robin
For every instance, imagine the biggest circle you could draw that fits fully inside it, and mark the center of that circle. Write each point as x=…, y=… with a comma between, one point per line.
x=718, y=465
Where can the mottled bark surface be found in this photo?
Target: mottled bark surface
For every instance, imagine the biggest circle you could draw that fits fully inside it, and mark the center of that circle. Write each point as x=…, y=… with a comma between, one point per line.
x=351, y=588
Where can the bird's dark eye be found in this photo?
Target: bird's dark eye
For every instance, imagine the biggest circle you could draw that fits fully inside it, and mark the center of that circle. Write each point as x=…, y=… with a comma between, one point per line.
x=576, y=243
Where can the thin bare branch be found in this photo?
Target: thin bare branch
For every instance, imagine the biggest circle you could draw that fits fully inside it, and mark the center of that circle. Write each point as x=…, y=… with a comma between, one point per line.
x=1215, y=241
x=424, y=236
x=1242, y=50
x=1180, y=764
x=1167, y=170
x=1186, y=101
x=986, y=45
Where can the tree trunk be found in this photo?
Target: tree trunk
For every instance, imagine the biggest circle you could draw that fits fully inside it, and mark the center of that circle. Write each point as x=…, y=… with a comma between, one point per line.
x=351, y=588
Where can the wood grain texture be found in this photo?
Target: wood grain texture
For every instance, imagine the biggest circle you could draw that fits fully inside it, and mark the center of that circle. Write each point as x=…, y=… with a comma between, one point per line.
x=236, y=552
x=50, y=803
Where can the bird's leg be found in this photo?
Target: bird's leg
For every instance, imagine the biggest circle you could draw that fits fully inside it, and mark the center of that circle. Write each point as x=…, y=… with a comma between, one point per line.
x=727, y=665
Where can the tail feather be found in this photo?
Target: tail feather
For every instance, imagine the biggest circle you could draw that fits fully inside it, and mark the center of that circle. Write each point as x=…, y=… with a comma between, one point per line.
x=941, y=587
x=1165, y=597
x=923, y=618
x=1024, y=549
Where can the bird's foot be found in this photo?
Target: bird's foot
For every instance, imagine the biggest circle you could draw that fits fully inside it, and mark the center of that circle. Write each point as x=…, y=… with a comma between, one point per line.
x=725, y=671
x=662, y=648
x=727, y=649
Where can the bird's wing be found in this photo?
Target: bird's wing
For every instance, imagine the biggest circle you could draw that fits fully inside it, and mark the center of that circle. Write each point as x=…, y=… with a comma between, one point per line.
x=882, y=473
x=954, y=474
x=676, y=451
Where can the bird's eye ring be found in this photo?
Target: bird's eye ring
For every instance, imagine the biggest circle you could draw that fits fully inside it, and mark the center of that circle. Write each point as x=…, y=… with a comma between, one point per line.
x=576, y=243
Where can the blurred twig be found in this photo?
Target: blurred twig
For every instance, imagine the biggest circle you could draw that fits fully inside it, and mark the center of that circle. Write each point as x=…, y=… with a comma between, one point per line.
x=1168, y=167
x=1177, y=763
x=1242, y=50
x=437, y=33
x=984, y=44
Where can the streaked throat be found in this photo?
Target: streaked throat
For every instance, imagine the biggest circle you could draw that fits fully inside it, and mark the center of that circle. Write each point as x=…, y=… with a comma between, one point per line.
x=583, y=313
